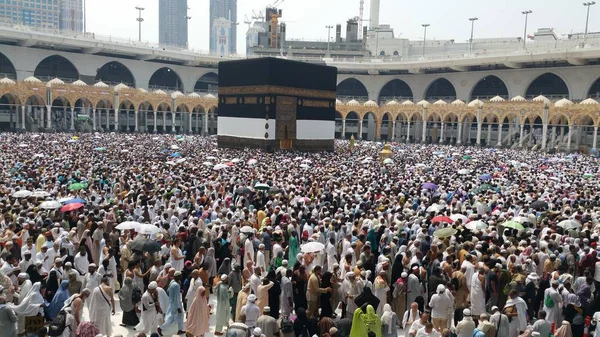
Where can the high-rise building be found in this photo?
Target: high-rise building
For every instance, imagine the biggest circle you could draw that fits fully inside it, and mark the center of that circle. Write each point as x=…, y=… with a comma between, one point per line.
x=173, y=23
x=71, y=15
x=220, y=9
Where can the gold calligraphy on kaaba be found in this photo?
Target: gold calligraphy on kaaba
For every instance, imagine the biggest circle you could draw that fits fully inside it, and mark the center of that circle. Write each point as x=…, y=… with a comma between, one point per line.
x=285, y=114
x=251, y=100
x=231, y=100
x=276, y=90
x=316, y=104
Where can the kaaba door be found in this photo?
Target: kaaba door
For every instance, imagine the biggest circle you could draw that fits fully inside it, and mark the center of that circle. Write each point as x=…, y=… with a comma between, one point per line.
x=286, y=121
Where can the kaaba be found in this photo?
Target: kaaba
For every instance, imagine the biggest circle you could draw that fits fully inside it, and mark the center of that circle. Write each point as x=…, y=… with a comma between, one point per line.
x=276, y=104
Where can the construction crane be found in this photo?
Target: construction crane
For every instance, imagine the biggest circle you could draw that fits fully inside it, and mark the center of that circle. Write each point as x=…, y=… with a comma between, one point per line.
x=247, y=21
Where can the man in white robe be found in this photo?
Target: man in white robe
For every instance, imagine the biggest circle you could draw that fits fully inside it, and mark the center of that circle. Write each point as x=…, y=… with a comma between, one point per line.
x=477, y=294
x=150, y=310
x=286, y=297
x=102, y=304
x=260, y=260
x=552, y=304
x=517, y=314
x=413, y=286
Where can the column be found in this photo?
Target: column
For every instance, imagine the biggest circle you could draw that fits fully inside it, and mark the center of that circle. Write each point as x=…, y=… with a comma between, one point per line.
x=136, y=122
x=360, y=128
x=459, y=135
x=72, y=119
x=544, y=135
x=344, y=128
x=521, y=135
x=94, y=119
x=190, y=128
x=569, y=137
x=48, y=116
x=173, y=122
x=595, y=137
x=479, y=126
x=499, y=144
x=553, y=141
x=128, y=121
x=206, y=123
x=23, y=117
x=154, y=121
x=117, y=119
x=408, y=132
x=489, y=135
x=393, y=137
x=424, y=132
x=441, y=135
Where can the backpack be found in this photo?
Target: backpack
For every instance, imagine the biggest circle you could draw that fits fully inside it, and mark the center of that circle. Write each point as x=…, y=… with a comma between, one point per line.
x=136, y=295
x=304, y=332
x=549, y=302
x=58, y=325
x=286, y=324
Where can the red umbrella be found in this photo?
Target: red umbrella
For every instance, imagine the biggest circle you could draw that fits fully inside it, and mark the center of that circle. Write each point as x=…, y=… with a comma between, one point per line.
x=441, y=218
x=229, y=163
x=71, y=207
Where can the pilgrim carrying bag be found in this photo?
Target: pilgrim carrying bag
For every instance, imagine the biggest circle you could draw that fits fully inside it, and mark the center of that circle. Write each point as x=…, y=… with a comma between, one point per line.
x=58, y=325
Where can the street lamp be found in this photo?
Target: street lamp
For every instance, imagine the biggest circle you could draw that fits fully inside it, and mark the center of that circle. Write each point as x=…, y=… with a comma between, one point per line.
x=140, y=19
x=472, y=26
x=328, y=37
x=187, y=18
x=425, y=25
x=587, y=19
x=527, y=12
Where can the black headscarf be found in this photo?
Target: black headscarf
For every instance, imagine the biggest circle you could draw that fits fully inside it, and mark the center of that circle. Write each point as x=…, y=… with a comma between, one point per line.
x=398, y=268
x=34, y=275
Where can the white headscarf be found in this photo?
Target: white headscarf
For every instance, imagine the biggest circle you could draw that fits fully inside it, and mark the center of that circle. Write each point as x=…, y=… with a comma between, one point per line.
x=386, y=318
x=31, y=304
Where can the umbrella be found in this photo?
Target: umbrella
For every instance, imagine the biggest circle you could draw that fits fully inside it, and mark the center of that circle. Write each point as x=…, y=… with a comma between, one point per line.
x=388, y=161
x=23, y=145
x=68, y=201
x=246, y=229
x=464, y=172
x=100, y=149
x=22, y=194
x=445, y=232
x=303, y=199
x=176, y=155
x=207, y=163
x=252, y=162
x=366, y=160
x=220, y=167
x=71, y=207
x=305, y=166
x=145, y=245
x=147, y=229
x=539, y=205
x=307, y=161
x=243, y=190
x=485, y=187
x=569, y=224
x=51, y=204
x=485, y=177
x=312, y=247
x=297, y=158
x=476, y=225
x=128, y=225
x=125, y=151
x=588, y=175
x=429, y=186
x=275, y=190
x=77, y=186
x=175, y=147
x=441, y=218
x=514, y=225
x=235, y=160
x=262, y=187
x=211, y=158
x=180, y=160
x=466, y=157
x=40, y=194
x=435, y=208
x=520, y=219
x=460, y=217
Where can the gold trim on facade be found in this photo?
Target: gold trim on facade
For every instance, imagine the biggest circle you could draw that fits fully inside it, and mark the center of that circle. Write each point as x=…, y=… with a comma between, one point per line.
x=276, y=90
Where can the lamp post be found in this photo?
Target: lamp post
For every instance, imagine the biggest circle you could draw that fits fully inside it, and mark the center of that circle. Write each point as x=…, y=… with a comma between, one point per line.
x=84, y=18
x=187, y=18
x=587, y=19
x=472, y=27
x=527, y=12
x=140, y=19
x=425, y=25
x=328, y=37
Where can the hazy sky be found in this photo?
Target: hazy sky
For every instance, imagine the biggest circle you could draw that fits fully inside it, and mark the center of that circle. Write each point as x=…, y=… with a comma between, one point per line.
x=307, y=18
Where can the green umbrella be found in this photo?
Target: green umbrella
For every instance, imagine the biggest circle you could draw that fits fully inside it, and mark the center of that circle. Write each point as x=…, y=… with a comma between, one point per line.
x=466, y=157
x=513, y=225
x=485, y=187
x=445, y=232
x=100, y=149
x=262, y=187
x=588, y=175
x=77, y=186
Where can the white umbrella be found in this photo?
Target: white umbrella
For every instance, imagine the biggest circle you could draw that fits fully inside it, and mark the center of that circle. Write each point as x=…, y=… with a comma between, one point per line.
x=148, y=229
x=459, y=216
x=455, y=154
x=175, y=147
x=305, y=166
x=211, y=158
x=125, y=151
x=435, y=208
x=246, y=229
x=180, y=160
x=366, y=161
x=127, y=225
x=220, y=167
x=420, y=165
x=38, y=155
x=476, y=225
x=569, y=224
x=307, y=161
x=464, y=172
x=252, y=162
x=63, y=200
x=207, y=163
x=51, y=204
x=298, y=158
x=235, y=160
x=520, y=219
x=23, y=145
x=171, y=163
x=22, y=194
x=388, y=161
x=312, y=247
x=40, y=194
x=262, y=186
x=215, y=150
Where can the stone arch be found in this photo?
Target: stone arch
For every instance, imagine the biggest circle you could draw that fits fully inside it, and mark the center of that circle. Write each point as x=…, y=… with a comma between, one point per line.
x=163, y=110
x=126, y=115
x=395, y=89
x=488, y=87
x=549, y=85
x=213, y=115
x=385, y=126
x=198, y=113
x=369, y=125
x=440, y=88
x=146, y=116
x=594, y=90
x=167, y=79
x=56, y=66
x=115, y=72
x=207, y=83
x=401, y=117
x=339, y=128
x=7, y=68
x=352, y=88
x=352, y=120
x=105, y=114
x=10, y=102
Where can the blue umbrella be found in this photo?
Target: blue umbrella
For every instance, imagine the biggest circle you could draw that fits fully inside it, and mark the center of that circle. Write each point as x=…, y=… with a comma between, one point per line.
x=176, y=154
x=485, y=177
x=429, y=186
x=72, y=201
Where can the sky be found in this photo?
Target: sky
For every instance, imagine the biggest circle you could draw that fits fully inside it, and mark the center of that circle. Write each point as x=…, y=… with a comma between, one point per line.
x=306, y=19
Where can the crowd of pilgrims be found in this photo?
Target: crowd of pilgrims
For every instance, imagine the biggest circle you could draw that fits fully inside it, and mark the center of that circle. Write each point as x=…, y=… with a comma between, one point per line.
x=224, y=245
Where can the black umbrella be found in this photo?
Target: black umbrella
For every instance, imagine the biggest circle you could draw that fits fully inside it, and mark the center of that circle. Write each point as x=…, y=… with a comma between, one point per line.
x=243, y=190
x=539, y=205
x=145, y=245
